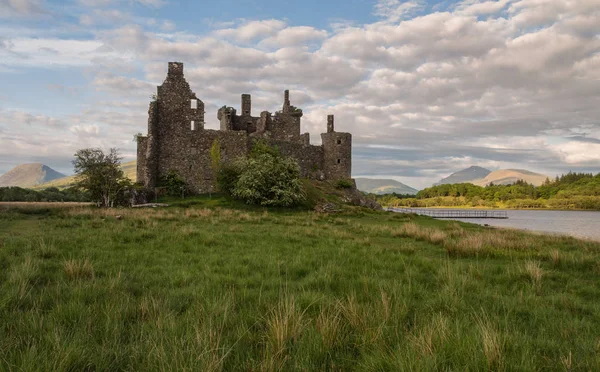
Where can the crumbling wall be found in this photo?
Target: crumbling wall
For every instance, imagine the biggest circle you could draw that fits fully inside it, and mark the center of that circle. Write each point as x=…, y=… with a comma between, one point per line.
x=309, y=158
x=192, y=158
x=142, y=143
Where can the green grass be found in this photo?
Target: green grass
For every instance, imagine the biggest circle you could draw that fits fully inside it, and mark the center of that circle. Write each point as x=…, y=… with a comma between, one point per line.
x=208, y=284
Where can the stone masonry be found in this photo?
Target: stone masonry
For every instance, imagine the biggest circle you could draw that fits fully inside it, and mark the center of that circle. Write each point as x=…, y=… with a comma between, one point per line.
x=177, y=140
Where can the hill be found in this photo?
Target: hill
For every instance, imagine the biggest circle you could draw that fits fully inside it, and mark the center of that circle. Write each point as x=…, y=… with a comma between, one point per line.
x=27, y=175
x=129, y=169
x=509, y=176
x=470, y=175
x=383, y=186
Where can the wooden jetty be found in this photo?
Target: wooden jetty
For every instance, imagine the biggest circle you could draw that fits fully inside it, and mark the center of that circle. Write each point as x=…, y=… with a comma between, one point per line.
x=452, y=213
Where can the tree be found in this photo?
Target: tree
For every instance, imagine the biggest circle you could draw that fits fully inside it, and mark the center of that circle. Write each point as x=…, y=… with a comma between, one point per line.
x=101, y=175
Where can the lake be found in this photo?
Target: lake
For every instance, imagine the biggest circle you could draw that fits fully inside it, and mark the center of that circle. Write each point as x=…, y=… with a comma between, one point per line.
x=580, y=224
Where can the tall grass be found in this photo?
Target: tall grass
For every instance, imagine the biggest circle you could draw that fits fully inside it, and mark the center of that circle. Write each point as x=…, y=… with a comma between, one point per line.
x=220, y=289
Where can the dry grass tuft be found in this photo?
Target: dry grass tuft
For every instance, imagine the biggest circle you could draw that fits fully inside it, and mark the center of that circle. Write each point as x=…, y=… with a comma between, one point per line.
x=567, y=361
x=534, y=272
x=555, y=256
x=285, y=325
x=413, y=230
x=492, y=343
x=330, y=326
x=430, y=337
x=78, y=269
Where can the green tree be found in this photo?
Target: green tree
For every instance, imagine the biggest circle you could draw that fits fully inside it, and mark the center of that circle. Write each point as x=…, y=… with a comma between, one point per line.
x=101, y=175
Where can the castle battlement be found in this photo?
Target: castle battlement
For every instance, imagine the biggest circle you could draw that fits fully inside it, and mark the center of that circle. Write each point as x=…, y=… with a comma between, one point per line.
x=177, y=139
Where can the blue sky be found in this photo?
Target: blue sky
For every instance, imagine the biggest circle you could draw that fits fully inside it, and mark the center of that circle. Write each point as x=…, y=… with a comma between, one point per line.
x=426, y=88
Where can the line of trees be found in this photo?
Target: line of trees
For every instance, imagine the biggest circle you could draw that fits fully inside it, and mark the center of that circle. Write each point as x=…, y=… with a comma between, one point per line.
x=50, y=194
x=569, y=191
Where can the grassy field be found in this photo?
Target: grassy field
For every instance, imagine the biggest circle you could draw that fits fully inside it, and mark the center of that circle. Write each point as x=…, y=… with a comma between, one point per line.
x=209, y=286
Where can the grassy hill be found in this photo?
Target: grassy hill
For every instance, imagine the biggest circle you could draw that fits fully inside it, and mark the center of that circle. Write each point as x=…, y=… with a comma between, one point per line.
x=482, y=177
x=470, y=174
x=383, y=186
x=211, y=286
x=509, y=176
x=129, y=169
x=27, y=175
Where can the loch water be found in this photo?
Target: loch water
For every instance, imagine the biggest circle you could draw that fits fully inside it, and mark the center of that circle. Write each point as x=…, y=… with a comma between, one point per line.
x=580, y=224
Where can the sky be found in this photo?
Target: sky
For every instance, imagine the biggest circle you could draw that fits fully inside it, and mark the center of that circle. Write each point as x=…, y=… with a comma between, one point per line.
x=426, y=88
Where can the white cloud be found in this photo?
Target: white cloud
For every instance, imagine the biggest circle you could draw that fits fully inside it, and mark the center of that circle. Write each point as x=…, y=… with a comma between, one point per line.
x=578, y=153
x=395, y=10
x=292, y=36
x=252, y=31
x=477, y=7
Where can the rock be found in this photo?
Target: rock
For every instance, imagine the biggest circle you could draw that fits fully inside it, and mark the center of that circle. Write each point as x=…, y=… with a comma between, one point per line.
x=327, y=208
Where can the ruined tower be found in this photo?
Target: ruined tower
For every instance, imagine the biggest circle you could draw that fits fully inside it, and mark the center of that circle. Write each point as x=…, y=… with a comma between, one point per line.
x=337, y=152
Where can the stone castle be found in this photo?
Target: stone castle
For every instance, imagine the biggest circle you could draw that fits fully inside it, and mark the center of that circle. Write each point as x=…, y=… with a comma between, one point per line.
x=177, y=140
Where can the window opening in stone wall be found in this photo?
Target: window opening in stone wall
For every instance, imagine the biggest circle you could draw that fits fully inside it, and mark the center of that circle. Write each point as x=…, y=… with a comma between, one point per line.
x=339, y=142
x=193, y=125
x=339, y=161
x=194, y=103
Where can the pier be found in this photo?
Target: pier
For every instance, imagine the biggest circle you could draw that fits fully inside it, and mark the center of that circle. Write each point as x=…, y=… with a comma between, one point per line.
x=452, y=213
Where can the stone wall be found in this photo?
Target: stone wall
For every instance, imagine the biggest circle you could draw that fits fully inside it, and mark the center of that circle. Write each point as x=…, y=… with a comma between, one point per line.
x=141, y=160
x=192, y=159
x=310, y=158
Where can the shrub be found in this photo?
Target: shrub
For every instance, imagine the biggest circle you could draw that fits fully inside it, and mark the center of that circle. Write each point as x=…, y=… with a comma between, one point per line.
x=269, y=181
x=173, y=184
x=345, y=184
x=261, y=147
x=228, y=174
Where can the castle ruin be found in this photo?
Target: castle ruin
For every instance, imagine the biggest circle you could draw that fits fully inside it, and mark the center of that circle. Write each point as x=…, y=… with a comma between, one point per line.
x=177, y=140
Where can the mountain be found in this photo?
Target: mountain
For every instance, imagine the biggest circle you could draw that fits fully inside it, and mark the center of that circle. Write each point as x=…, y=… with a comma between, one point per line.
x=381, y=186
x=509, y=176
x=27, y=175
x=468, y=175
x=129, y=168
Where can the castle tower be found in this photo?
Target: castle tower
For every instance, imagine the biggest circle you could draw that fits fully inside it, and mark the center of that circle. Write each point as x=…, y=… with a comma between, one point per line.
x=337, y=152
x=174, y=115
x=246, y=105
x=286, y=101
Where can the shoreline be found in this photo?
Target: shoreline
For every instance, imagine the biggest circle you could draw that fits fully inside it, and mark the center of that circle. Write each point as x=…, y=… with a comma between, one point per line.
x=499, y=208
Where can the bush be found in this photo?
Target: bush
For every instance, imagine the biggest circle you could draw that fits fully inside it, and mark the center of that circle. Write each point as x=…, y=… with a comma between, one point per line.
x=173, y=183
x=345, y=184
x=227, y=176
x=269, y=181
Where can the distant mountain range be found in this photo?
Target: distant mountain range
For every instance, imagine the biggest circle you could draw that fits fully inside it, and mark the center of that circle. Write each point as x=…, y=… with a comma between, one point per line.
x=39, y=176
x=383, y=186
x=28, y=175
x=482, y=177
